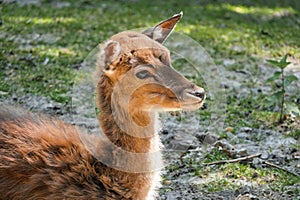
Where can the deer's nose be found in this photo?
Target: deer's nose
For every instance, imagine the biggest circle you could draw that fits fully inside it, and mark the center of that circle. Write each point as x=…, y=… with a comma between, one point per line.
x=199, y=92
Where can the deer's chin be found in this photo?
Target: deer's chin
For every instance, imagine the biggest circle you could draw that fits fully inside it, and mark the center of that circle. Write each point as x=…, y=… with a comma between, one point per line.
x=189, y=106
x=162, y=109
x=173, y=104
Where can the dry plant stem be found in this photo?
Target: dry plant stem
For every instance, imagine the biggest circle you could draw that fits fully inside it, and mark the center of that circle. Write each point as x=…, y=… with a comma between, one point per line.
x=278, y=167
x=282, y=98
x=233, y=160
x=247, y=158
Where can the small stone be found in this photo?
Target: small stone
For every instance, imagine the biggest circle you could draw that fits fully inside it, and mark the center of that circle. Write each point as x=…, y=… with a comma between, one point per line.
x=168, y=182
x=264, y=155
x=238, y=48
x=225, y=145
x=210, y=139
x=3, y=93
x=206, y=138
x=255, y=175
x=201, y=136
x=246, y=129
x=228, y=62
x=243, y=135
x=241, y=152
x=46, y=61
x=229, y=129
x=257, y=163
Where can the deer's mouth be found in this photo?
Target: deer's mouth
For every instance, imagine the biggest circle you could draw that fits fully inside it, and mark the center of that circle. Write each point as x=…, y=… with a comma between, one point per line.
x=155, y=97
x=193, y=100
x=187, y=101
x=191, y=105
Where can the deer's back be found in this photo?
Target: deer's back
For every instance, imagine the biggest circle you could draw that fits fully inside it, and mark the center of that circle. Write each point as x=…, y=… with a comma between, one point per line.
x=42, y=158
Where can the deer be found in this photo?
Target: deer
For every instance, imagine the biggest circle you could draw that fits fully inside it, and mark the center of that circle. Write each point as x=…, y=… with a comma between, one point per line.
x=44, y=158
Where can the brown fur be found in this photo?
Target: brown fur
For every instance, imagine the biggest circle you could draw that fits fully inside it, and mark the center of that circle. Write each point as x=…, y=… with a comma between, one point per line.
x=43, y=158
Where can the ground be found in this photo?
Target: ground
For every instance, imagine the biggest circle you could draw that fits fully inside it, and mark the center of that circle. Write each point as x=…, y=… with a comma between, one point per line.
x=44, y=43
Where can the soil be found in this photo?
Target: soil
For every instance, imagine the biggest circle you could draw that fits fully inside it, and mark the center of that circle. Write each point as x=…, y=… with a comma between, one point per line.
x=188, y=139
x=183, y=140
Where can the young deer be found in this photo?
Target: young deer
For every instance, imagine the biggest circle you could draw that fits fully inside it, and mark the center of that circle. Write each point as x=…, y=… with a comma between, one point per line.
x=42, y=158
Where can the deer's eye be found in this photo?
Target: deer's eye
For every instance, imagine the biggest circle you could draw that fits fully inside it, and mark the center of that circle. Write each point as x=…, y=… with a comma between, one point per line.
x=163, y=59
x=143, y=74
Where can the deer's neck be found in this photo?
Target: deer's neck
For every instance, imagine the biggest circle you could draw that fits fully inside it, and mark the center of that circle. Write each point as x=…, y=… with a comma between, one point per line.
x=134, y=132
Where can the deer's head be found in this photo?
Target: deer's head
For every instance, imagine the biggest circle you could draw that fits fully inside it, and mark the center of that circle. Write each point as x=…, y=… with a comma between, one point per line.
x=140, y=67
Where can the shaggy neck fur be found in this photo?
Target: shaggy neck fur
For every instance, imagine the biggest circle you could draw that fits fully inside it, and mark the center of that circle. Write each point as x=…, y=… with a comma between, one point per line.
x=145, y=181
x=134, y=132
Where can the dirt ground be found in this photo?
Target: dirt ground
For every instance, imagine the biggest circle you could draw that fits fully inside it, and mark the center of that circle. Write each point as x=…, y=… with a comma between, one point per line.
x=189, y=138
x=183, y=140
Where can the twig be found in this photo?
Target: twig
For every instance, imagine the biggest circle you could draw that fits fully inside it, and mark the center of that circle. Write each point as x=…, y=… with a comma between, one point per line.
x=233, y=160
x=283, y=169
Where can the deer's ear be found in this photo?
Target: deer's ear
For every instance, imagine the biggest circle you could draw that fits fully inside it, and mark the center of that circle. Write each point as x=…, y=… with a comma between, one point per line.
x=161, y=31
x=112, y=52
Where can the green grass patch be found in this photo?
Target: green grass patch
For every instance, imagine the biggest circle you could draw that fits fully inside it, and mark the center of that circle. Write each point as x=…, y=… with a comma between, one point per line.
x=43, y=46
x=44, y=43
x=294, y=134
x=215, y=155
x=234, y=176
x=265, y=117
